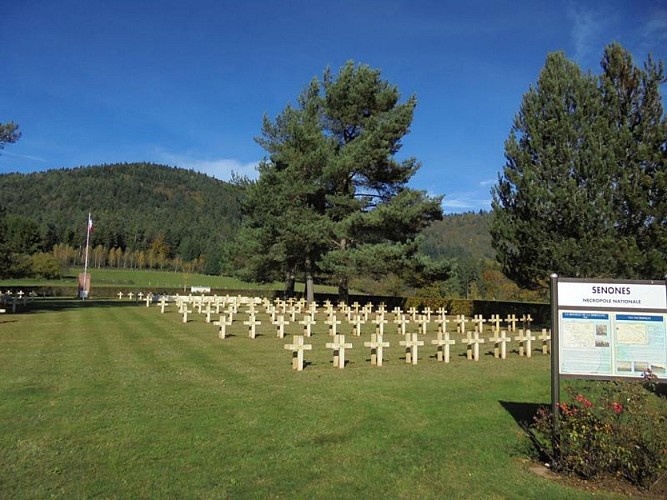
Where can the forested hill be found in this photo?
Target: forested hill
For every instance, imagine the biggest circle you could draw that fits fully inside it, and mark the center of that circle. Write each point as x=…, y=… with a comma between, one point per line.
x=132, y=206
x=460, y=236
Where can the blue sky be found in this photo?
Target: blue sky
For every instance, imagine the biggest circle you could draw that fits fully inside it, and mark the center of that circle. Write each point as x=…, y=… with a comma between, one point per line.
x=187, y=83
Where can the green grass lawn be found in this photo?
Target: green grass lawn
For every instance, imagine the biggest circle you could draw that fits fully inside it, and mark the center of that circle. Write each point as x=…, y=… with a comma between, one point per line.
x=115, y=400
x=134, y=278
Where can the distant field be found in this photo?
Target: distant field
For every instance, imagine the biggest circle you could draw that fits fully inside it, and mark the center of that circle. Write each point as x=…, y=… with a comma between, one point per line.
x=111, y=399
x=167, y=279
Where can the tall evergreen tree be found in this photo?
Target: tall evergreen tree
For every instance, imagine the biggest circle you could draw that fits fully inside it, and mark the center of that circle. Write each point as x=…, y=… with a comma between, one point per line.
x=336, y=197
x=581, y=190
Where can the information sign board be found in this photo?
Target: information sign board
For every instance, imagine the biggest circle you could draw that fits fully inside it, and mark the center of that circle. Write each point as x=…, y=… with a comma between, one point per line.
x=613, y=329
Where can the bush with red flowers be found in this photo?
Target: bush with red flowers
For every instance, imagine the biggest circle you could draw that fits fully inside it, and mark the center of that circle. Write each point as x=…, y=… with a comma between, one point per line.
x=608, y=428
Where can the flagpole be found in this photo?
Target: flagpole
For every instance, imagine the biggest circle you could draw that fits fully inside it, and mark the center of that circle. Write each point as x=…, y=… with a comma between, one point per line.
x=85, y=265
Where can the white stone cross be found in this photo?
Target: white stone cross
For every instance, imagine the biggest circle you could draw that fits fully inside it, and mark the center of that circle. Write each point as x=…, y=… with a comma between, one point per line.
x=401, y=320
x=443, y=342
x=495, y=323
x=511, y=322
x=427, y=313
x=475, y=342
x=522, y=343
x=502, y=339
x=442, y=323
x=140, y=296
x=224, y=322
x=379, y=322
x=252, y=324
x=376, y=344
x=423, y=324
x=130, y=295
x=412, y=344
x=479, y=323
x=185, y=312
x=338, y=346
x=528, y=340
x=149, y=299
x=280, y=326
x=297, y=347
x=356, y=322
x=526, y=321
x=208, y=311
x=397, y=311
x=332, y=322
x=441, y=311
x=413, y=313
x=460, y=323
x=545, y=337
x=120, y=295
x=308, y=321
x=163, y=303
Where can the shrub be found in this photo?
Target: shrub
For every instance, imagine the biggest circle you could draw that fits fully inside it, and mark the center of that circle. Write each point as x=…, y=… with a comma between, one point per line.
x=616, y=428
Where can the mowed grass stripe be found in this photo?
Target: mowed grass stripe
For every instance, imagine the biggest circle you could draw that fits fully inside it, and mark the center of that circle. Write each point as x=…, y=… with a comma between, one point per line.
x=149, y=407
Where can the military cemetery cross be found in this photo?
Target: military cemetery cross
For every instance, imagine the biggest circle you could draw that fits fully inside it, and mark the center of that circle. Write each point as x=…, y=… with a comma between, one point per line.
x=379, y=323
x=443, y=342
x=442, y=323
x=338, y=346
x=475, y=342
x=252, y=324
x=427, y=313
x=526, y=321
x=308, y=321
x=423, y=322
x=495, y=323
x=521, y=339
x=469, y=341
x=120, y=295
x=460, y=323
x=511, y=322
x=503, y=340
x=185, y=312
x=412, y=344
x=413, y=313
x=130, y=295
x=528, y=340
x=224, y=322
x=140, y=296
x=332, y=322
x=376, y=344
x=297, y=347
x=545, y=337
x=280, y=326
x=479, y=323
x=356, y=322
x=401, y=320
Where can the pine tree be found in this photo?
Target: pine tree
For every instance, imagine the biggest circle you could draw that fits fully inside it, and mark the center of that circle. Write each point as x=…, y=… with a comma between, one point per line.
x=331, y=198
x=583, y=191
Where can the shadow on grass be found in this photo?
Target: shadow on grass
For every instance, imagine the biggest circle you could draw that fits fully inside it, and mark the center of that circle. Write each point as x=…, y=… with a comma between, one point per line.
x=523, y=413
x=36, y=306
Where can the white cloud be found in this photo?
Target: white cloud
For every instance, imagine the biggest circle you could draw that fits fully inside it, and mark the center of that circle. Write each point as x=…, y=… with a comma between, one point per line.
x=654, y=31
x=586, y=31
x=465, y=202
x=220, y=168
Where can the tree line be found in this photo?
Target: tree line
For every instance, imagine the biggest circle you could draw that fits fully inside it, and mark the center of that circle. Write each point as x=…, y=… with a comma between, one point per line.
x=583, y=193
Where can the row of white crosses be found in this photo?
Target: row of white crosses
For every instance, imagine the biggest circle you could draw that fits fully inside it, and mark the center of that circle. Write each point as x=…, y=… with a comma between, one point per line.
x=282, y=313
x=14, y=299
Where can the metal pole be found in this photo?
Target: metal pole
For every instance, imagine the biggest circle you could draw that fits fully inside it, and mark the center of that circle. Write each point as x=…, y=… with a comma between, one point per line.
x=85, y=266
x=555, y=368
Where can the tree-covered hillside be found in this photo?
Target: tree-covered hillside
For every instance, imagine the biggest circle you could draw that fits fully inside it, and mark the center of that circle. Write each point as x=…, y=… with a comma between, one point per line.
x=174, y=213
